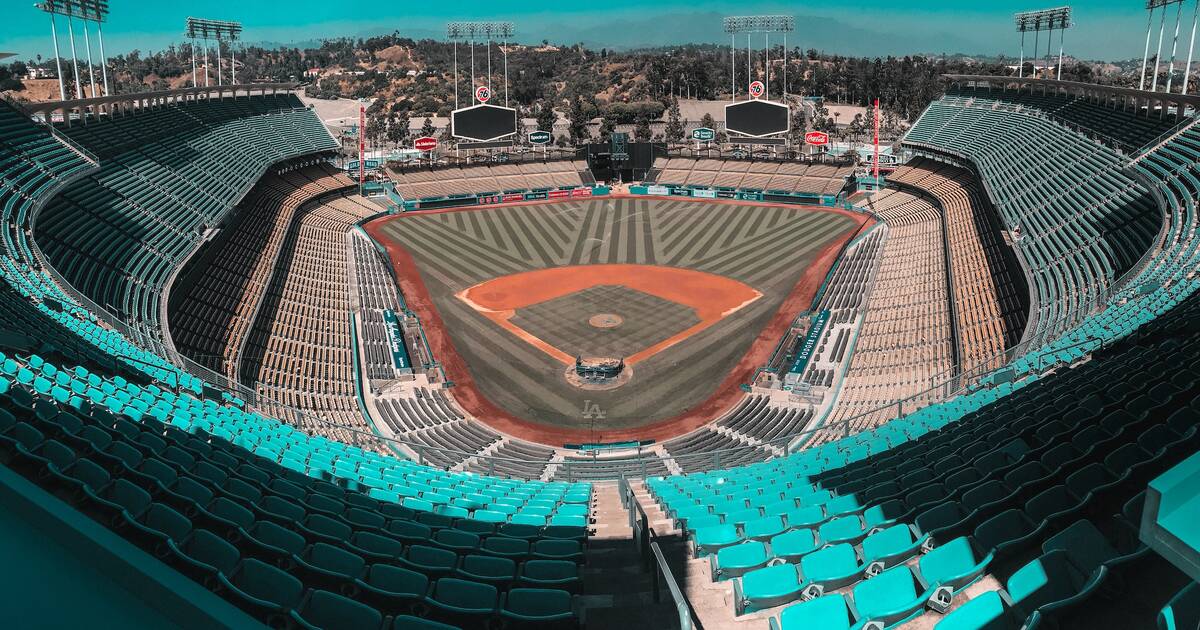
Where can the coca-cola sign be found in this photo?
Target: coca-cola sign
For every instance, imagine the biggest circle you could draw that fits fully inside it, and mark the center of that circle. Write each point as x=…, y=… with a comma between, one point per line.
x=816, y=137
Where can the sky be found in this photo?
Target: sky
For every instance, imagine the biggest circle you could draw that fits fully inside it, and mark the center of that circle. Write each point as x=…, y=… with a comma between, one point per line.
x=1104, y=29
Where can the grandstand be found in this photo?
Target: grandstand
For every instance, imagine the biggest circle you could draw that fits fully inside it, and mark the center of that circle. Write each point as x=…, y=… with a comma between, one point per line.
x=214, y=374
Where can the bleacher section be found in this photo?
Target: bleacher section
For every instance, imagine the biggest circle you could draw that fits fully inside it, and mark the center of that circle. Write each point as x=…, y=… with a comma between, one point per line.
x=299, y=350
x=216, y=295
x=424, y=183
x=1129, y=129
x=229, y=497
x=990, y=295
x=166, y=176
x=820, y=179
x=999, y=507
x=1080, y=220
x=904, y=345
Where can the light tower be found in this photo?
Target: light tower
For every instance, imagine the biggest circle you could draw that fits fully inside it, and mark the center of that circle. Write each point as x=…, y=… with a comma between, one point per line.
x=94, y=11
x=213, y=30
x=1050, y=20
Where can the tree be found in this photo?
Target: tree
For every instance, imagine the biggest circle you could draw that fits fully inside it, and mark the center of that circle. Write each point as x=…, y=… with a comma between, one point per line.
x=799, y=127
x=607, y=127
x=546, y=118
x=398, y=131
x=577, y=119
x=674, y=130
x=642, y=132
x=427, y=128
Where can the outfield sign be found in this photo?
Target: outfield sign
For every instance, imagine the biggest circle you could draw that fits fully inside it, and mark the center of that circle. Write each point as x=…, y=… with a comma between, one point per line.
x=805, y=351
x=816, y=137
x=483, y=93
x=757, y=89
x=539, y=137
x=399, y=352
x=352, y=165
x=704, y=134
x=425, y=143
x=658, y=190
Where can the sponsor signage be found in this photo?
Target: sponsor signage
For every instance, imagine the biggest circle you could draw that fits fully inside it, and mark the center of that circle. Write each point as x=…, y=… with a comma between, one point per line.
x=757, y=88
x=514, y=197
x=704, y=193
x=534, y=196
x=483, y=93
x=805, y=350
x=703, y=134
x=581, y=192
x=559, y=194
x=816, y=137
x=539, y=137
x=658, y=190
x=399, y=352
x=425, y=143
x=727, y=194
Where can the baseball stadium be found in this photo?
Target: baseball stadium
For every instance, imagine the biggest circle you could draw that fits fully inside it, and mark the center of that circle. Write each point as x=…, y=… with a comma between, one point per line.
x=467, y=331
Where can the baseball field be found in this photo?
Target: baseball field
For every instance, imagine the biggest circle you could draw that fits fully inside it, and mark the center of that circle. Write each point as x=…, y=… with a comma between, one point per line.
x=693, y=295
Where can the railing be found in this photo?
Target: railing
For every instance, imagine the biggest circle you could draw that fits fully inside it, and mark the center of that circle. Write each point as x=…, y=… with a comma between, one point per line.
x=646, y=541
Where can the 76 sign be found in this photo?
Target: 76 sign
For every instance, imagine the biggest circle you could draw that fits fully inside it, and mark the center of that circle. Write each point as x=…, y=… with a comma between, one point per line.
x=757, y=88
x=483, y=93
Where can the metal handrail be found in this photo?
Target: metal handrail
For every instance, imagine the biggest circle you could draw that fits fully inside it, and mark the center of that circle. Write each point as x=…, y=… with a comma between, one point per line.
x=646, y=541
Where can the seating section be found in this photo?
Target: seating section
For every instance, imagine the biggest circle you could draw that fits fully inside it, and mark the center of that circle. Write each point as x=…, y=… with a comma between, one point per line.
x=999, y=505
x=990, y=295
x=424, y=183
x=376, y=293
x=167, y=175
x=219, y=290
x=1129, y=129
x=817, y=179
x=36, y=164
x=428, y=418
x=299, y=350
x=904, y=345
x=1080, y=221
x=285, y=525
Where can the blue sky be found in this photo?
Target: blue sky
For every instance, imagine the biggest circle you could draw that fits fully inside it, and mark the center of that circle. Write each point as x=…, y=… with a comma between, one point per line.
x=1105, y=29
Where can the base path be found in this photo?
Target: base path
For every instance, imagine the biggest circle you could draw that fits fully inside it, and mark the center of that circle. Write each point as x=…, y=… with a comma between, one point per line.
x=724, y=397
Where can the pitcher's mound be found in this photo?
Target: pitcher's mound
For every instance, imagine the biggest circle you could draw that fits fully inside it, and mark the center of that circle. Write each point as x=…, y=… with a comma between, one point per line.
x=605, y=320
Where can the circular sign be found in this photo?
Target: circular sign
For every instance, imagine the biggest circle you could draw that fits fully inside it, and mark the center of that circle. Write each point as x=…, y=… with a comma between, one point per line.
x=425, y=144
x=757, y=88
x=483, y=93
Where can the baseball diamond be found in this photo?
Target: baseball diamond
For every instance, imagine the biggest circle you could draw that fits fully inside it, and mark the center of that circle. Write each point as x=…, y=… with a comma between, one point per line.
x=517, y=289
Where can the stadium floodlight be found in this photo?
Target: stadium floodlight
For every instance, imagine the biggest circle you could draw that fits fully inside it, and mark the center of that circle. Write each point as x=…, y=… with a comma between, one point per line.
x=472, y=30
x=1151, y=7
x=87, y=11
x=750, y=25
x=1058, y=18
x=221, y=31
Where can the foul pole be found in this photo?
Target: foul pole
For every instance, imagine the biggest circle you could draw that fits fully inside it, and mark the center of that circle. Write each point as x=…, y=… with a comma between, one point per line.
x=876, y=142
x=362, y=146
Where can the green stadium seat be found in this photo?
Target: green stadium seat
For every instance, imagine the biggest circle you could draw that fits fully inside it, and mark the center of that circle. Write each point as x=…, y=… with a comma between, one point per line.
x=828, y=612
x=830, y=568
x=330, y=611
x=537, y=607
x=431, y=561
x=731, y=562
x=203, y=556
x=888, y=547
x=391, y=588
x=263, y=589
x=986, y=611
x=461, y=601
x=891, y=598
x=409, y=622
x=710, y=539
x=950, y=568
x=554, y=574
x=767, y=587
x=488, y=569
